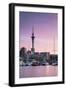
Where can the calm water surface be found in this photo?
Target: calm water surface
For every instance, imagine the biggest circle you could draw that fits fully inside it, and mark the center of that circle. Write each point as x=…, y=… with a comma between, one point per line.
x=37, y=71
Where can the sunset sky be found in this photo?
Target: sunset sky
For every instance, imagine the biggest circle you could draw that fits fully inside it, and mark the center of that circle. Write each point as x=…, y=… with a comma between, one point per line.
x=45, y=31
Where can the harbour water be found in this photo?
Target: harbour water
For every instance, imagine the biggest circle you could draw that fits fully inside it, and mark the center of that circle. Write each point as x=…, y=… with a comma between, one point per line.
x=38, y=71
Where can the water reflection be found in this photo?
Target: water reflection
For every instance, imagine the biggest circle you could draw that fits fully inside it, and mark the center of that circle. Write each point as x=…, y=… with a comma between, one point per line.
x=37, y=71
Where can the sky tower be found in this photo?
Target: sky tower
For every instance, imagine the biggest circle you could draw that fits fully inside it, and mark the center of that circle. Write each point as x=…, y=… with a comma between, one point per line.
x=32, y=37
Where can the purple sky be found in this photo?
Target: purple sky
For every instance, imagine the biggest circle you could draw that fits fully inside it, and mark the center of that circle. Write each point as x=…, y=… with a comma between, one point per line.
x=45, y=30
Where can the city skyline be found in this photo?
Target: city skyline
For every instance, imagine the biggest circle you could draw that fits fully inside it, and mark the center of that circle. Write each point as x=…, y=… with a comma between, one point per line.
x=45, y=31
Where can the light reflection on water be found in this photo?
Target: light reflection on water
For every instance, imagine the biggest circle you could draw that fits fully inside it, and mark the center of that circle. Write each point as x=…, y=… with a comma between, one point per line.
x=37, y=71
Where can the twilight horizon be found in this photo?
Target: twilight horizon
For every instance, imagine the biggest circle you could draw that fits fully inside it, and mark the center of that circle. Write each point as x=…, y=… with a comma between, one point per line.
x=45, y=31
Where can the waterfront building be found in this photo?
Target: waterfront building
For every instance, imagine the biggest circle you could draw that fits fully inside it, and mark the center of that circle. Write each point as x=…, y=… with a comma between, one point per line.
x=31, y=57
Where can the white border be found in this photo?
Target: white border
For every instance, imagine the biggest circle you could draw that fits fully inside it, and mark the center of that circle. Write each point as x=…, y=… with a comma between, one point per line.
x=41, y=79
